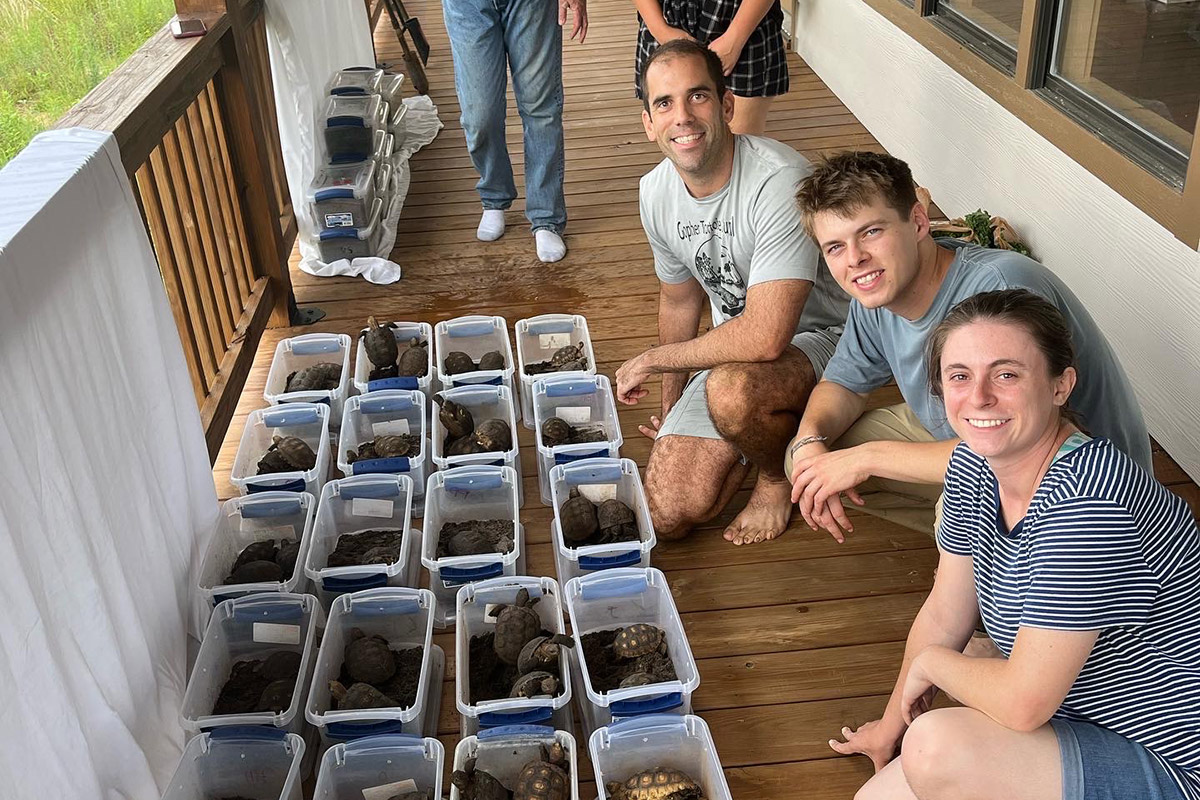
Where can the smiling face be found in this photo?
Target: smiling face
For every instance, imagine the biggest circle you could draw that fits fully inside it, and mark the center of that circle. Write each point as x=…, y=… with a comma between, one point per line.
x=687, y=118
x=1000, y=396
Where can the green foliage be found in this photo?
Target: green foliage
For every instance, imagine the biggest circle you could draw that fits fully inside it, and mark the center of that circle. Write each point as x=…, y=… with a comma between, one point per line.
x=52, y=52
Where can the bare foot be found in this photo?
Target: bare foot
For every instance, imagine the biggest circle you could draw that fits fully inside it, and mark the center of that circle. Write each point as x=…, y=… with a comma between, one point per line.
x=766, y=514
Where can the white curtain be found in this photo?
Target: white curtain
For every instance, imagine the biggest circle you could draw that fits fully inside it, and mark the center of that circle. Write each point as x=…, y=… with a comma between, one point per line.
x=106, y=494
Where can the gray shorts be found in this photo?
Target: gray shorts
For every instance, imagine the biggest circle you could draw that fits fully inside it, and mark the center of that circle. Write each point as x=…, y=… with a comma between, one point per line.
x=689, y=416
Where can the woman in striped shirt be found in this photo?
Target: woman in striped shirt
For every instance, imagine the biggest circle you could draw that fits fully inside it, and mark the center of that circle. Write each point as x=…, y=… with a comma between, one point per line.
x=1086, y=572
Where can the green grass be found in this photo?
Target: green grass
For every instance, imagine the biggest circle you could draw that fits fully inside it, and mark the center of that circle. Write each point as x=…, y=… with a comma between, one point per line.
x=52, y=52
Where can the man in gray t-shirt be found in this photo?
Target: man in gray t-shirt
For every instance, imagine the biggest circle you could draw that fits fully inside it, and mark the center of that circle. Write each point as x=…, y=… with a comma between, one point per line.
x=874, y=234
x=722, y=221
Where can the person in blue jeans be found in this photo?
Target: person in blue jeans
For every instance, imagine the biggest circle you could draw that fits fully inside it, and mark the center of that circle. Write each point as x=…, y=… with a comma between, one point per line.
x=1085, y=571
x=487, y=37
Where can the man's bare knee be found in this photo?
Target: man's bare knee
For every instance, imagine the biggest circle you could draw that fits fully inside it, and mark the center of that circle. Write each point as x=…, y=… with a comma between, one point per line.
x=734, y=397
x=679, y=495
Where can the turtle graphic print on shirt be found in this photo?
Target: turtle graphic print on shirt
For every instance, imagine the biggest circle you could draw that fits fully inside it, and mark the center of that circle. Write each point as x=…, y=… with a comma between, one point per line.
x=720, y=275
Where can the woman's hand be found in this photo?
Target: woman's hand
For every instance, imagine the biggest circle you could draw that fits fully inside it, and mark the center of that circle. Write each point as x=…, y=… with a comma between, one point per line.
x=876, y=740
x=671, y=34
x=728, y=48
x=919, y=690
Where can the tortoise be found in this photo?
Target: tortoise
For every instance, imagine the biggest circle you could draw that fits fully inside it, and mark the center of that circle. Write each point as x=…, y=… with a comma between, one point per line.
x=555, y=431
x=660, y=783
x=322, y=377
x=380, y=343
x=616, y=520
x=277, y=696
x=578, y=518
x=279, y=665
x=414, y=360
x=545, y=778
x=273, y=461
x=359, y=695
x=475, y=784
x=295, y=451
x=533, y=684
x=263, y=550
x=396, y=446
x=368, y=659
x=494, y=435
x=256, y=572
x=464, y=445
x=457, y=362
x=639, y=639
x=541, y=652
x=565, y=358
x=456, y=419
x=473, y=541
x=637, y=679
x=491, y=360
x=516, y=624
x=287, y=556
x=381, y=554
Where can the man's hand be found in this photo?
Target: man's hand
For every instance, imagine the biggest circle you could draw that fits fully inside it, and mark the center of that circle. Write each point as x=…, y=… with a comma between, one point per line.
x=876, y=740
x=579, y=11
x=728, y=48
x=819, y=478
x=630, y=377
x=651, y=432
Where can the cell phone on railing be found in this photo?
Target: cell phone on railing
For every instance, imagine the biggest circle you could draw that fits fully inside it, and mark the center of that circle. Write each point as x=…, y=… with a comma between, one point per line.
x=187, y=28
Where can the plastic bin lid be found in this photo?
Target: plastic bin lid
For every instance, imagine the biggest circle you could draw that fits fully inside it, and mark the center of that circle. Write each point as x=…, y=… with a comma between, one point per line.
x=383, y=183
x=400, y=113
x=383, y=145
x=389, y=86
x=360, y=111
x=355, y=81
x=338, y=181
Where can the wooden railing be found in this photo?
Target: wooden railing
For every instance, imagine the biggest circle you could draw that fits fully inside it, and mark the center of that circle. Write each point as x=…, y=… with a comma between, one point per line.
x=195, y=123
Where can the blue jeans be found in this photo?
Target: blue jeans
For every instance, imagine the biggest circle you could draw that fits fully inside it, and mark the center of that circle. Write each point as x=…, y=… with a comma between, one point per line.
x=1099, y=764
x=486, y=37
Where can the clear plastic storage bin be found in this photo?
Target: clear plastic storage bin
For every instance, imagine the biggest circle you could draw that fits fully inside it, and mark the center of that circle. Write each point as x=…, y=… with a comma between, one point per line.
x=616, y=598
x=630, y=746
x=599, y=479
x=355, y=81
x=284, y=516
x=386, y=413
x=307, y=421
x=484, y=403
x=350, y=243
x=380, y=767
x=389, y=88
x=341, y=195
x=351, y=505
x=259, y=763
x=538, y=338
x=247, y=628
x=475, y=336
x=405, y=332
x=398, y=124
x=405, y=618
x=584, y=401
x=465, y=493
x=349, y=126
x=504, y=752
x=385, y=147
x=472, y=619
x=298, y=352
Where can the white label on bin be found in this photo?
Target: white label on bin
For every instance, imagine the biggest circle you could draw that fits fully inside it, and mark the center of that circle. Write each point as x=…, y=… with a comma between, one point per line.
x=391, y=427
x=389, y=790
x=599, y=492
x=274, y=633
x=344, y=220
x=491, y=611
x=368, y=507
x=574, y=415
x=555, y=340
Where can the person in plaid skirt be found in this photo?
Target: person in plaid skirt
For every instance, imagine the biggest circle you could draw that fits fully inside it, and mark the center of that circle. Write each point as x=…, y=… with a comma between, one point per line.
x=747, y=35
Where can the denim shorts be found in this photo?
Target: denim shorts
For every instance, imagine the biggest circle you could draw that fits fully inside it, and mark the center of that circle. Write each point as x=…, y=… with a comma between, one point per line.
x=1098, y=764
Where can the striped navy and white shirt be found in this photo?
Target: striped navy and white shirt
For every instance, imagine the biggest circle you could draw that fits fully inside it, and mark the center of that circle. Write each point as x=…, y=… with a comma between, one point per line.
x=1103, y=547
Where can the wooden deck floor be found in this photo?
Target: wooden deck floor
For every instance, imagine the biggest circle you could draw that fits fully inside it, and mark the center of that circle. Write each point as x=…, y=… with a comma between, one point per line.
x=795, y=637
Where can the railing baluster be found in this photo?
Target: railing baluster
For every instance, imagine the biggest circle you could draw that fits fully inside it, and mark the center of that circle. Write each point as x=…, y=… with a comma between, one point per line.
x=230, y=224
x=235, y=199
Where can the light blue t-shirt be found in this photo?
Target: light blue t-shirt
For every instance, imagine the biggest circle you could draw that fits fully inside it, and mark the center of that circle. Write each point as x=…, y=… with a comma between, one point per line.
x=878, y=344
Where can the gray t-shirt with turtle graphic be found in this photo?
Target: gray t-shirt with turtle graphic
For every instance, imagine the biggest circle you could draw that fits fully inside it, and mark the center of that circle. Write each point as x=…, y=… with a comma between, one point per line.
x=749, y=232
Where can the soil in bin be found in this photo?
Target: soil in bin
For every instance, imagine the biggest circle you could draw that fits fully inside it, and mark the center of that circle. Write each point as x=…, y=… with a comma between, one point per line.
x=260, y=685
x=607, y=670
x=491, y=678
x=401, y=687
x=378, y=546
x=475, y=537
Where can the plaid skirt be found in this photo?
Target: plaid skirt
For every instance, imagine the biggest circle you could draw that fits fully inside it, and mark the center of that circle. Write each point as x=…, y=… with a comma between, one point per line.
x=761, y=70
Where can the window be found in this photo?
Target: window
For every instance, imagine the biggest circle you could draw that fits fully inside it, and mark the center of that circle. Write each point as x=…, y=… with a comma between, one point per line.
x=988, y=27
x=1131, y=69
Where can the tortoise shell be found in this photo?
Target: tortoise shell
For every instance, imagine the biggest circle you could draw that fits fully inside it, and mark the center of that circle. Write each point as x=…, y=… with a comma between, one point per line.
x=281, y=664
x=516, y=624
x=494, y=435
x=613, y=513
x=277, y=696
x=457, y=362
x=569, y=358
x=578, y=518
x=380, y=343
x=286, y=558
x=637, y=679
x=471, y=542
x=273, y=461
x=545, y=778
x=323, y=377
x=359, y=695
x=263, y=550
x=491, y=360
x=533, y=684
x=396, y=446
x=369, y=659
x=456, y=419
x=296, y=452
x=638, y=639
x=475, y=784
x=555, y=431
x=541, y=652
x=414, y=361
x=256, y=572
x=464, y=445
x=661, y=783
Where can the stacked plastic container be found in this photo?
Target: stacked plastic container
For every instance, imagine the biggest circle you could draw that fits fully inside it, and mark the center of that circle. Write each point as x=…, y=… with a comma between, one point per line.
x=404, y=617
x=474, y=602
x=503, y=752
x=582, y=401
x=538, y=339
x=457, y=495
x=262, y=763
x=306, y=421
x=631, y=746
x=600, y=479
x=386, y=413
x=484, y=403
x=405, y=332
x=299, y=352
x=381, y=767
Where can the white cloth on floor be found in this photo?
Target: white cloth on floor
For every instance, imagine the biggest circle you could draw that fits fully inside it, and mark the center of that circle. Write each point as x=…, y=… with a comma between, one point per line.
x=106, y=494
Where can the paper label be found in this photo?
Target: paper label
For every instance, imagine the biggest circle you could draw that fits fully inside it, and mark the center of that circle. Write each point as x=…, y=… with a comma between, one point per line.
x=342, y=220
x=490, y=611
x=389, y=790
x=274, y=633
x=553, y=341
x=370, y=507
x=391, y=427
x=599, y=492
x=574, y=415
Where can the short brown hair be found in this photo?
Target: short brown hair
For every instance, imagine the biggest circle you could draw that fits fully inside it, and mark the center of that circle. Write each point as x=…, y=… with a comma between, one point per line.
x=677, y=48
x=845, y=182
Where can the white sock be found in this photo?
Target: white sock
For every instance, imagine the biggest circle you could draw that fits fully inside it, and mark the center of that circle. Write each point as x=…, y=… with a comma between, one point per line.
x=491, y=225
x=550, y=246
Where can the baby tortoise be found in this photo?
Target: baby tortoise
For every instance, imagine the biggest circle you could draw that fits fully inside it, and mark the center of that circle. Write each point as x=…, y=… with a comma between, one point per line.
x=516, y=624
x=494, y=435
x=616, y=521
x=545, y=778
x=414, y=360
x=359, y=695
x=456, y=419
x=277, y=697
x=457, y=362
x=660, y=783
x=401, y=445
x=571, y=358
x=281, y=664
x=475, y=784
x=323, y=377
x=368, y=659
x=640, y=639
x=286, y=558
x=380, y=343
x=637, y=679
x=256, y=572
x=578, y=518
x=464, y=446
x=542, y=652
x=477, y=539
x=535, y=684
x=491, y=360
x=287, y=454
x=555, y=432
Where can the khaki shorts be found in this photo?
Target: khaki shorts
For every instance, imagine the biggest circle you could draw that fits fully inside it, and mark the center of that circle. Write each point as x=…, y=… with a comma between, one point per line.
x=913, y=505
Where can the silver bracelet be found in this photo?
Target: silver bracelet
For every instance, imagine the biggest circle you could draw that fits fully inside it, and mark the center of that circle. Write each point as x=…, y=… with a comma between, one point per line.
x=802, y=442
